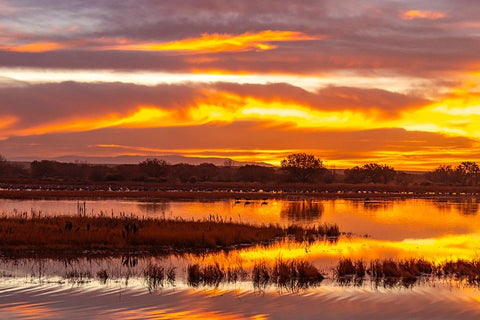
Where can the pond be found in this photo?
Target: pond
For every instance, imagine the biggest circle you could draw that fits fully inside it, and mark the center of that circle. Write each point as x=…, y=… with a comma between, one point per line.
x=379, y=219
x=430, y=229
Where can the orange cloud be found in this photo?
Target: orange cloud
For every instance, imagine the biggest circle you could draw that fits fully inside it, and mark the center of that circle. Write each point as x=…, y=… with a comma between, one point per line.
x=272, y=156
x=5, y=123
x=222, y=42
x=37, y=47
x=418, y=14
x=455, y=114
x=227, y=104
x=285, y=118
x=141, y=117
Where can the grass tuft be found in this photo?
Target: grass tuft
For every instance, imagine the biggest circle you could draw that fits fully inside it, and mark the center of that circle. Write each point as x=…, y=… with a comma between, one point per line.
x=291, y=274
x=102, y=275
x=156, y=276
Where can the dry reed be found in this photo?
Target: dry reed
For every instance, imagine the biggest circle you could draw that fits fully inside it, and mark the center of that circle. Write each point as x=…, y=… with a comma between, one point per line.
x=75, y=234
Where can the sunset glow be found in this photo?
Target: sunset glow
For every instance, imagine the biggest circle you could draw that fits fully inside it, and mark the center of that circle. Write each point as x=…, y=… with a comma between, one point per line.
x=36, y=47
x=436, y=250
x=209, y=43
x=400, y=85
x=417, y=14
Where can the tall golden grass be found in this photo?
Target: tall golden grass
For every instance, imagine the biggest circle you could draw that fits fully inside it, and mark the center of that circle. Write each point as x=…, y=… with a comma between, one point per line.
x=78, y=234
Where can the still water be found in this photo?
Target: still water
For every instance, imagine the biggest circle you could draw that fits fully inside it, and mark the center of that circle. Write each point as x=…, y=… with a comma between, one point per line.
x=382, y=219
x=435, y=230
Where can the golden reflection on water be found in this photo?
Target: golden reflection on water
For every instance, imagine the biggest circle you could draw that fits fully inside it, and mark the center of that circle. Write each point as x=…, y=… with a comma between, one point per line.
x=439, y=249
x=160, y=314
x=402, y=219
x=28, y=310
x=433, y=230
x=396, y=219
x=442, y=301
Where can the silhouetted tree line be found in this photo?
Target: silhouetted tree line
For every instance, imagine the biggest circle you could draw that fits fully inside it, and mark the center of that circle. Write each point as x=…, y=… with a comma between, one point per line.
x=466, y=173
x=150, y=170
x=370, y=173
x=11, y=170
x=297, y=167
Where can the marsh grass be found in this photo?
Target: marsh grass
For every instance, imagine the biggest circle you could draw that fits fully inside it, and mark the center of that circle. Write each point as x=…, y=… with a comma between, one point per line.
x=123, y=234
x=157, y=276
x=213, y=274
x=102, y=275
x=291, y=274
x=260, y=274
x=297, y=274
x=78, y=277
x=329, y=231
x=406, y=272
x=462, y=270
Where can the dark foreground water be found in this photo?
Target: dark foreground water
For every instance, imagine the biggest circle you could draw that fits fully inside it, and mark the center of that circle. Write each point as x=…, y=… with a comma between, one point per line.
x=115, y=301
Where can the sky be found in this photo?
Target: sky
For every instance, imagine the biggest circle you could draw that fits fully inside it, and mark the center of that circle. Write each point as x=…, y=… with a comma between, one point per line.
x=394, y=82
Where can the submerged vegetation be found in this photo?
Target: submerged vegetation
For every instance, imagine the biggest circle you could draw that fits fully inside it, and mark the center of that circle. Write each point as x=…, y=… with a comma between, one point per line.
x=290, y=274
x=406, y=272
x=157, y=275
x=75, y=235
x=297, y=274
x=214, y=274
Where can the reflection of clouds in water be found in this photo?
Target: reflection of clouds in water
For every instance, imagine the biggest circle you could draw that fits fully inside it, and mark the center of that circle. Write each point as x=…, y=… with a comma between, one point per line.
x=301, y=211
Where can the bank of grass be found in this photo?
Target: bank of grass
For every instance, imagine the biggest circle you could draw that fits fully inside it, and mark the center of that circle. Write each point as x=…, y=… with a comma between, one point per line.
x=26, y=234
x=229, y=190
x=295, y=274
x=287, y=273
x=291, y=274
x=406, y=272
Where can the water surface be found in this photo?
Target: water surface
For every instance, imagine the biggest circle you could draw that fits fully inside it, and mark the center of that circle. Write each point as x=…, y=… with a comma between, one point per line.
x=435, y=230
x=380, y=219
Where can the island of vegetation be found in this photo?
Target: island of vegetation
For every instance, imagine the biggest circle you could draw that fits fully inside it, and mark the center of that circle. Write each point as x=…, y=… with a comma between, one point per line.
x=33, y=233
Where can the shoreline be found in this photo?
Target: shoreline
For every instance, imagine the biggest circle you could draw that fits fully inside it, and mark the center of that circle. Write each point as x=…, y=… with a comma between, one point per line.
x=182, y=195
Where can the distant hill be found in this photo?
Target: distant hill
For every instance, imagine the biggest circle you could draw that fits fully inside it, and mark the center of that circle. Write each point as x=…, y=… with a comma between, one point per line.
x=135, y=159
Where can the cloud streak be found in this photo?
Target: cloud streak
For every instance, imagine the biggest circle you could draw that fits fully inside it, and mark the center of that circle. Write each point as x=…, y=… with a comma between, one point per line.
x=368, y=36
x=397, y=147
x=37, y=47
x=208, y=43
x=71, y=106
x=418, y=14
